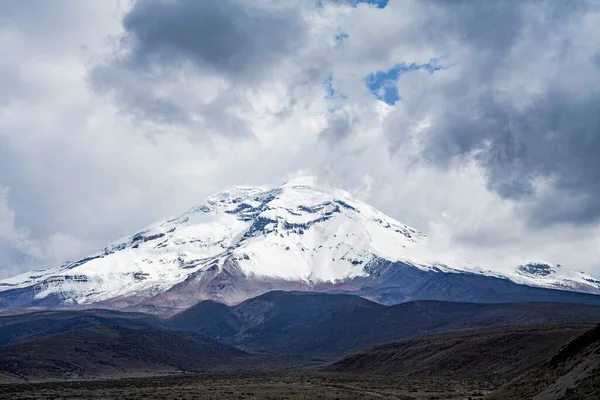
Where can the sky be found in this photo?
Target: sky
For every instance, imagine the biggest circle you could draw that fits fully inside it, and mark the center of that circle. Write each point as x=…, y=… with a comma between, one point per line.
x=477, y=122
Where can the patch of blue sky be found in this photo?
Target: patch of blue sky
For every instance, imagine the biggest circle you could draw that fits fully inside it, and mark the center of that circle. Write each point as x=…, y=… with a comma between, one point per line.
x=354, y=3
x=383, y=83
x=332, y=92
x=339, y=38
x=378, y=3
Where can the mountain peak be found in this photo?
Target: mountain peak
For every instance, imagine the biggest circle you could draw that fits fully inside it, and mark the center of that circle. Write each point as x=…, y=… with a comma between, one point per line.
x=306, y=181
x=242, y=241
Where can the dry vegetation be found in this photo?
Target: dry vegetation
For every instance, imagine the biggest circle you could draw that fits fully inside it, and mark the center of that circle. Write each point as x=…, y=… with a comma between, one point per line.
x=283, y=385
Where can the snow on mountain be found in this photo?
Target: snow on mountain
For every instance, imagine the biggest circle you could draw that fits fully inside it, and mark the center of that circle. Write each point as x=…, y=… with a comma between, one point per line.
x=544, y=274
x=298, y=232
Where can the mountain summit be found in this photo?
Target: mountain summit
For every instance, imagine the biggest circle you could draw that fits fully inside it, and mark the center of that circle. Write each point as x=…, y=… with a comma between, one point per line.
x=245, y=241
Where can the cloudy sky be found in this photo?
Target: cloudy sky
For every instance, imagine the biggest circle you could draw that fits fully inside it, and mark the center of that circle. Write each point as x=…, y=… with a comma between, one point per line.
x=477, y=122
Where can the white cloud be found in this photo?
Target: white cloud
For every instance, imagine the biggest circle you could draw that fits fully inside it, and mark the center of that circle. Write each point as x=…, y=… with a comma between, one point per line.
x=85, y=168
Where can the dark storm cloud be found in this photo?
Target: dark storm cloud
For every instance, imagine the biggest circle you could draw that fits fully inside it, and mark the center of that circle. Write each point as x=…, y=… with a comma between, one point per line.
x=233, y=39
x=229, y=36
x=551, y=133
x=557, y=137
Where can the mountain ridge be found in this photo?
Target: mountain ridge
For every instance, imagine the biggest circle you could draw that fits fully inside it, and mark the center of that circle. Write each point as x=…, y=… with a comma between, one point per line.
x=243, y=242
x=302, y=327
x=330, y=325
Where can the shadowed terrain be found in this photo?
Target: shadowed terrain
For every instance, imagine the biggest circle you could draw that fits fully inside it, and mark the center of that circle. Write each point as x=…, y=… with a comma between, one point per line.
x=281, y=345
x=573, y=373
x=314, y=326
x=494, y=353
x=30, y=325
x=115, y=352
x=467, y=364
x=329, y=326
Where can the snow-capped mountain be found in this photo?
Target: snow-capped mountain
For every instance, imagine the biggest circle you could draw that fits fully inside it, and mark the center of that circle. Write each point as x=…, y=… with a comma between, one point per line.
x=544, y=274
x=245, y=241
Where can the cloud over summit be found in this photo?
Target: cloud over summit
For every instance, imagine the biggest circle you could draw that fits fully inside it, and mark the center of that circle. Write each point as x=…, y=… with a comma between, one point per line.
x=475, y=121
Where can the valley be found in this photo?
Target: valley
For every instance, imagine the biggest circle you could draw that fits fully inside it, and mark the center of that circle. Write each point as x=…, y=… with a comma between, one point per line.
x=298, y=345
